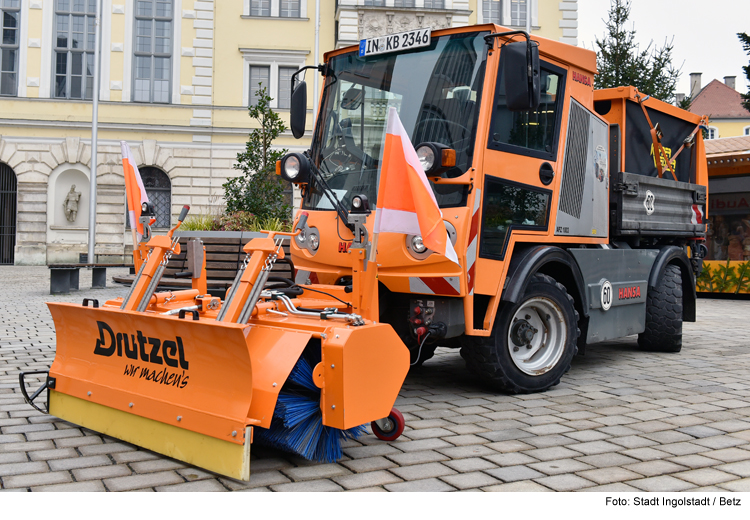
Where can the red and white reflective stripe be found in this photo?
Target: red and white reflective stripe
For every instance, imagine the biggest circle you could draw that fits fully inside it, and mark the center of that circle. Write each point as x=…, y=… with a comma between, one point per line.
x=302, y=277
x=697, y=215
x=471, y=251
x=444, y=285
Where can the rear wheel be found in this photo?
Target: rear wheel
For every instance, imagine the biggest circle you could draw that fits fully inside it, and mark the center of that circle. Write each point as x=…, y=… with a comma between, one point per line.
x=533, y=341
x=389, y=428
x=663, y=331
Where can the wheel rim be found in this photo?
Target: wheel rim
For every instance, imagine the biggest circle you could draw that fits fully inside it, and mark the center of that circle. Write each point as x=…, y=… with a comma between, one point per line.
x=386, y=425
x=537, y=336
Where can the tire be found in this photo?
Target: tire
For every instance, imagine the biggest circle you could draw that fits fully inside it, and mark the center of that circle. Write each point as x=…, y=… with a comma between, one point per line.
x=504, y=362
x=663, y=331
x=394, y=426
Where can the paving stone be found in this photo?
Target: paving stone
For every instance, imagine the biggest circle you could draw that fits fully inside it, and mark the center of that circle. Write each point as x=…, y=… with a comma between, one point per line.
x=475, y=479
x=645, y=453
x=369, y=464
x=587, y=435
x=423, y=471
x=148, y=480
x=134, y=456
x=742, y=485
x=510, y=459
x=682, y=448
x=654, y=468
x=407, y=446
x=417, y=457
x=151, y=466
x=467, y=465
x=608, y=475
x=101, y=472
x=559, y=466
x=557, y=452
x=668, y=436
x=720, y=442
x=632, y=441
x=741, y=469
x=513, y=473
x=606, y=460
x=509, y=446
x=519, y=486
x=73, y=487
x=79, y=462
x=462, y=452
x=198, y=486
x=595, y=447
x=663, y=484
x=616, y=487
x=693, y=461
x=369, y=479
x=316, y=486
x=705, y=476
x=317, y=471
x=21, y=468
x=566, y=482
x=729, y=454
x=36, y=479
x=430, y=484
x=13, y=456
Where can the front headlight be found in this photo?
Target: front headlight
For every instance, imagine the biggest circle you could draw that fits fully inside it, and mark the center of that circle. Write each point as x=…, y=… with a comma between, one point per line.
x=291, y=167
x=426, y=157
x=314, y=241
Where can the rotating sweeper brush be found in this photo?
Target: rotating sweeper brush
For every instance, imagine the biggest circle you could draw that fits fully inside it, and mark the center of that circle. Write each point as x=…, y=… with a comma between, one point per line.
x=197, y=379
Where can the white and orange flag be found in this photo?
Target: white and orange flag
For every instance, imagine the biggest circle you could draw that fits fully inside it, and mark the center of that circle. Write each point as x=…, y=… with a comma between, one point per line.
x=406, y=203
x=134, y=190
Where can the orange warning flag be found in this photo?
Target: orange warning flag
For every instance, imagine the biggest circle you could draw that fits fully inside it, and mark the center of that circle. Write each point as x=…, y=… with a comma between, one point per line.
x=406, y=203
x=134, y=190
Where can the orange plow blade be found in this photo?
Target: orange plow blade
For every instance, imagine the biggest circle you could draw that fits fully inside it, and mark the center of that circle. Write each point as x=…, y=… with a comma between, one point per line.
x=179, y=387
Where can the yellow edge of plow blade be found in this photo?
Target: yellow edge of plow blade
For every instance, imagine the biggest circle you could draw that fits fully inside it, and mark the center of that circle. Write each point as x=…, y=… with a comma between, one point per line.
x=226, y=458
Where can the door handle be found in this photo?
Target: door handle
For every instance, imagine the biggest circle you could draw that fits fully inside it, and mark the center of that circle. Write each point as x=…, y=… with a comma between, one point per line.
x=546, y=173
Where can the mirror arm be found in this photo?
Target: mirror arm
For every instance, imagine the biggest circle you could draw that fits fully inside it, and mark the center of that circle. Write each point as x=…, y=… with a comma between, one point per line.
x=320, y=68
x=490, y=38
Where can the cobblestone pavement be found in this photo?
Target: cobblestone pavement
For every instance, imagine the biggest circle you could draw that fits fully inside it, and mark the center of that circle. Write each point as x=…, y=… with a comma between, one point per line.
x=621, y=420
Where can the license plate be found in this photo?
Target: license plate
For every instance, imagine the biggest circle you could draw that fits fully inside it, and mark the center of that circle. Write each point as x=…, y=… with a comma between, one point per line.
x=394, y=42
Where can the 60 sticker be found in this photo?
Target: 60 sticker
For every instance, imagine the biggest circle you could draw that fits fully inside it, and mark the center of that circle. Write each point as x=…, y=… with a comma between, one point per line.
x=607, y=295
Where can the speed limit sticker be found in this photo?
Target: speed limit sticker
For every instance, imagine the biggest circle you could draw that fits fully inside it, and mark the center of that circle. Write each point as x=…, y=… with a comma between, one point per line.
x=606, y=296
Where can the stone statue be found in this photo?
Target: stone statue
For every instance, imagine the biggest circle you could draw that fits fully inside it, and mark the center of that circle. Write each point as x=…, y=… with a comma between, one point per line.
x=71, y=204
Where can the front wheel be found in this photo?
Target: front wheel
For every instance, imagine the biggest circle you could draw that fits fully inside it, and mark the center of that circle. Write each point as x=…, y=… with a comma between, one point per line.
x=389, y=428
x=533, y=340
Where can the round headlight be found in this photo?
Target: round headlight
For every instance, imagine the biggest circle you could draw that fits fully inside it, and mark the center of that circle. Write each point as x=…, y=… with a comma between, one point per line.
x=314, y=241
x=291, y=167
x=426, y=157
x=357, y=202
x=417, y=245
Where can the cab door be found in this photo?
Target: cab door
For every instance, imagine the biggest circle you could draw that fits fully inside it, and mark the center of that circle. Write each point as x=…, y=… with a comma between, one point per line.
x=521, y=167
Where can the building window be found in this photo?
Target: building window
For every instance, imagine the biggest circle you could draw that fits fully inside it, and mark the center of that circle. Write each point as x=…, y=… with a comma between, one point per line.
x=260, y=7
x=285, y=86
x=712, y=133
x=159, y=191
x=518, y=12
x=404, y=3
x=153, y=51
x=9, y=25
x=492, y=11
x=74, y=48
x=434, y=4
x=258, y=79
x=746, y=130
x=289, y=9
x=376, y=3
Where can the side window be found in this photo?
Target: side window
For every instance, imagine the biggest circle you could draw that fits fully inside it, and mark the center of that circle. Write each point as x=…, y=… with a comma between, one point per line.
x=534, y=132
x=509, y=205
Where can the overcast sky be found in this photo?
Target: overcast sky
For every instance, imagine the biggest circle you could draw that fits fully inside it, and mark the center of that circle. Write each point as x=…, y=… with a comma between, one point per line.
x=704, y=33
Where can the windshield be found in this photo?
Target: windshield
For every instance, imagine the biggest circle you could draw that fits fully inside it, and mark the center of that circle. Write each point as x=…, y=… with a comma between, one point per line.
x=435, y=90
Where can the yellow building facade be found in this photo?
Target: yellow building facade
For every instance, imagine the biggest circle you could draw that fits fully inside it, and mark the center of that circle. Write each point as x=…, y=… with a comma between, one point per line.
x=176, y=79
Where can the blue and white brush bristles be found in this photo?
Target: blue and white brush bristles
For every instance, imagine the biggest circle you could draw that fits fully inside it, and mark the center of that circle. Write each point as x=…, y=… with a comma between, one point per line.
x=297, y=424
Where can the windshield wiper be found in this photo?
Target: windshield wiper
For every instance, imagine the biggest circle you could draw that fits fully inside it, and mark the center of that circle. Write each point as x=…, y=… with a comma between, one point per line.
x=330, y=194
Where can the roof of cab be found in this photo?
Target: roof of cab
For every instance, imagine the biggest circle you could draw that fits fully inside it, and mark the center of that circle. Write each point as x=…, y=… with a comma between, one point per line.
x=576, y=56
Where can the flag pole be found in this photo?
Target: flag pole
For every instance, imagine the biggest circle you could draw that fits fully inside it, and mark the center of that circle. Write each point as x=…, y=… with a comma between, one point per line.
x=94, y=136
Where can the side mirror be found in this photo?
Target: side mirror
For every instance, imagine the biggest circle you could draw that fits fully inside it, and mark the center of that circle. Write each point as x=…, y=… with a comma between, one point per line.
x=521, y=75
x=298, y=110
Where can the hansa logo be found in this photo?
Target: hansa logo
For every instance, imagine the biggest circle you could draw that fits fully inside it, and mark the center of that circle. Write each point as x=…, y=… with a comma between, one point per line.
x=154, y=351
x=648, y=202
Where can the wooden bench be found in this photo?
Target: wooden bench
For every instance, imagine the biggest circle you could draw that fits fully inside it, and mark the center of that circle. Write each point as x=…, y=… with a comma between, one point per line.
x=64, y=277
x=224, y=256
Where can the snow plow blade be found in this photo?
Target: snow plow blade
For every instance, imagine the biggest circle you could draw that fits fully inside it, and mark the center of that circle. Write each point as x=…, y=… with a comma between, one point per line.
x=182, y=388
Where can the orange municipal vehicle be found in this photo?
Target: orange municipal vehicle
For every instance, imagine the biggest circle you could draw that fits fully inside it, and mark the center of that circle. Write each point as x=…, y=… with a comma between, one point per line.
x=577, y=217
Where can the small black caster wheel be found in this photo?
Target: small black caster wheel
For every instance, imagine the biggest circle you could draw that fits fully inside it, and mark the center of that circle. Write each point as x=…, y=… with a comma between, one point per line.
x=389, y=428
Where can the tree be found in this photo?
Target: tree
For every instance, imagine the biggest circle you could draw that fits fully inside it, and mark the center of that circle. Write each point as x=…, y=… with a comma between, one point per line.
x=258, y=190
x=620, y=61
x=745, y=39
x=685, y=103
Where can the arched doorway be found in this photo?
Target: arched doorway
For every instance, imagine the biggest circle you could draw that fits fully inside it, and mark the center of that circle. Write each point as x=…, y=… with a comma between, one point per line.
x=159, y=191
x=8, y=206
